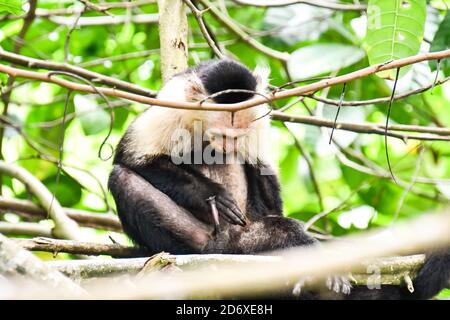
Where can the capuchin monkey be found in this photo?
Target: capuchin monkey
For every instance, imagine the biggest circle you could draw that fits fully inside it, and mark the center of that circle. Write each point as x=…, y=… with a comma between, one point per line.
x=193, y=181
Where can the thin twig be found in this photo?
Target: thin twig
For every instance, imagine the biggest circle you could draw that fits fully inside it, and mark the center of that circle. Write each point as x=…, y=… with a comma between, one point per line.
x=377, y=100
x=337, y=112
x=315, y=3
x=410, y=185
x=299, y=91
x=387, y=124
x=227, y=22
x=69, y=34
x=198, y=14
x=95, y=7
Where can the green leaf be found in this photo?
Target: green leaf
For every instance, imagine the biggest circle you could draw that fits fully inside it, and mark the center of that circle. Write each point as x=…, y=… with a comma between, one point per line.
x=441, y=42
x=68, y=191
x=323, y=58
x=93, y=119
x=394, y=30
x=11, y=6
x=3, y=79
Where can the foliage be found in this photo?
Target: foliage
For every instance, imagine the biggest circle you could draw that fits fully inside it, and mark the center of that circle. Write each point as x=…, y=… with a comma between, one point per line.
x=11, y=6
x=323, y=42
x=394, y=30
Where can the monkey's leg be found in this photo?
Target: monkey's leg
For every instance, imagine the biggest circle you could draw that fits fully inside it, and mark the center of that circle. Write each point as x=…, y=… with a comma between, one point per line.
x=190, y=189
x=433, y=276
x=152, y=219
x=431, y=279
x=265, y=234
x=274, y=233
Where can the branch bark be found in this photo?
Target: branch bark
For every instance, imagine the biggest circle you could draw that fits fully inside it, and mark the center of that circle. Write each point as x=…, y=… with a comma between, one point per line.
x=17, y=262
x=75, y=247
x=392, y=269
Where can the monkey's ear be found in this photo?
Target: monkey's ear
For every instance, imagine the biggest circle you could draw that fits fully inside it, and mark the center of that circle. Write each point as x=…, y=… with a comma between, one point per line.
x=261, y=74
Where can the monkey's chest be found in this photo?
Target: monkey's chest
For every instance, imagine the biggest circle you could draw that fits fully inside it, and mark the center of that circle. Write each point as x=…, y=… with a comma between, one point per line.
x=232, y=177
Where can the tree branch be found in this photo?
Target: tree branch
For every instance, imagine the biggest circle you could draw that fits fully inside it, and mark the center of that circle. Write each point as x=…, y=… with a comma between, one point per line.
x=105, y=221
x=378, y=100
x=198, y=14
x=108, y=20
x=25, y=229
x=372, y=128
x=21, y=60
x=315, y=3
x=229, y=24
x=17, y=262
x=173, y=36
x=75, y=247
x=391, y=269
x=240, y=280
x=299, y=91
x=64, y=226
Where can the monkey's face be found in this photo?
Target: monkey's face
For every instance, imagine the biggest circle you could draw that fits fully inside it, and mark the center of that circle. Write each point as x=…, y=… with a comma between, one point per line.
x=232, y=132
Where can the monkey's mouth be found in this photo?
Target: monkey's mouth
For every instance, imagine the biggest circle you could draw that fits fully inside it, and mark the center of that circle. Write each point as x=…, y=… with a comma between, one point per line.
x=226, y=140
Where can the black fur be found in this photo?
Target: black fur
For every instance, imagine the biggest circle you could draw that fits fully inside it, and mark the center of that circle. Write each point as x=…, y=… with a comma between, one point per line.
x=163, y=206
x=222, y=75
x=188, y=188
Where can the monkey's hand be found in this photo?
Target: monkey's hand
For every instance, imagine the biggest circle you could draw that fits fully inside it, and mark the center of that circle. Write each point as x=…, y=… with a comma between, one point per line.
x=227, y=208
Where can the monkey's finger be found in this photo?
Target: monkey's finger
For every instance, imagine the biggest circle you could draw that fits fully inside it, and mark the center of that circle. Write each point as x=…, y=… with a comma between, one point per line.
x=233, y=207
x=235, y=211
x=227, y=212
x=225, y=217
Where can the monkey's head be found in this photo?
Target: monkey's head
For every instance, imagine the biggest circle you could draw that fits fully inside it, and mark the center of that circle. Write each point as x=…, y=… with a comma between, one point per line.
x=224, y=82
x=168, y=131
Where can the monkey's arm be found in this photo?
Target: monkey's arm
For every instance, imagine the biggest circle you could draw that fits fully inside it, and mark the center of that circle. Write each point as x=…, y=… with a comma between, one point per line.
x=264, y=191
x=152, y=219
x=190, y=189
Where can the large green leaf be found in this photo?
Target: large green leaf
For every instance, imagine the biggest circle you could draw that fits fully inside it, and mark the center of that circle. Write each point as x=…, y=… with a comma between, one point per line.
x=440, y=42
x=322, y=58
x=394, y=30
x=11, y=6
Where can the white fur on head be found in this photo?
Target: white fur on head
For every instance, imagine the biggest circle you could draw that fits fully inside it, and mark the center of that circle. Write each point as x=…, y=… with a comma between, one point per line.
x=151, y=134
